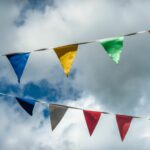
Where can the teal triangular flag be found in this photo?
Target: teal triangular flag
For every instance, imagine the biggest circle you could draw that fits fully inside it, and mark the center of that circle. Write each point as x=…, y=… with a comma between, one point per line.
x=18, y=62
x=113, y=46
x=26, y=104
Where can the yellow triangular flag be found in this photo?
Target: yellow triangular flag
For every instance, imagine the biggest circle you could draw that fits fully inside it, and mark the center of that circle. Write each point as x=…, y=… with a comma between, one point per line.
x=66, y=55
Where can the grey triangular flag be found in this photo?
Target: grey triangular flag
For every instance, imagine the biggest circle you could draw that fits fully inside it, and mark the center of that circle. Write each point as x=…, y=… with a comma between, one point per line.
x=56, y=114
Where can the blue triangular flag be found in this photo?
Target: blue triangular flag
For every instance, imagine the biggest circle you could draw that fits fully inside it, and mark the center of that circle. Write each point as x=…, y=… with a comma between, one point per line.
x=26, y=104
x=18, y=62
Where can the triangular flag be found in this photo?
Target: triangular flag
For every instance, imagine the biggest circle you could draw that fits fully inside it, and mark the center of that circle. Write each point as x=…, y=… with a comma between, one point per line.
x=26, y=104
x=18, y=62
x=56, y=114
x=123, y=124
x=66, y=55
x=92, y=118
x=113, y=46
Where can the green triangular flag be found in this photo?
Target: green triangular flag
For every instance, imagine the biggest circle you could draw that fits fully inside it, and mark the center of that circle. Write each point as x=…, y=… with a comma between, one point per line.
x=113, y=46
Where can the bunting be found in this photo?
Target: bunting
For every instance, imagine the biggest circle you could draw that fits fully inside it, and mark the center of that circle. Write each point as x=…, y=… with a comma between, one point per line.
x=92, y=118
x=66, y=55
x=113, y=46
x=18, y=62
x=123, y=123
x=56, y=114
x=27, y=104
x=58, y=111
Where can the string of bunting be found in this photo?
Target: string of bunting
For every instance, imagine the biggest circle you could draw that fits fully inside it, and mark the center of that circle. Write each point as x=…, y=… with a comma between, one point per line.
x=58, y=111
x=66, y=54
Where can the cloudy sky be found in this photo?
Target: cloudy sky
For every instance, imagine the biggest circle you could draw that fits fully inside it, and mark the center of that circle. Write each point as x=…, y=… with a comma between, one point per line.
x=95, y=82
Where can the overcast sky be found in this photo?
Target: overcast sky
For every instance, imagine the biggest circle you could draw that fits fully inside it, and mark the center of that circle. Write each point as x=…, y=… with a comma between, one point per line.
x=95, y=82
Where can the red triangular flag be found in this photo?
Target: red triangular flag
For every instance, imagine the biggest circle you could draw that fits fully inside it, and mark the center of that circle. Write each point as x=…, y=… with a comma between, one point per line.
x=123, y=124
x=91, y=118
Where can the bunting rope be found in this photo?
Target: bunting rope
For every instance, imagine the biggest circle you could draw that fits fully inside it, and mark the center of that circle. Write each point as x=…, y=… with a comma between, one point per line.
x=12, y=96
x=45, y=49
x=71, y=107
x=79, y=43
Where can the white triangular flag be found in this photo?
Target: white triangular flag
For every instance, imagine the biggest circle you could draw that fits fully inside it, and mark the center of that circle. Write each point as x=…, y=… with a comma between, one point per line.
x=56, y=114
